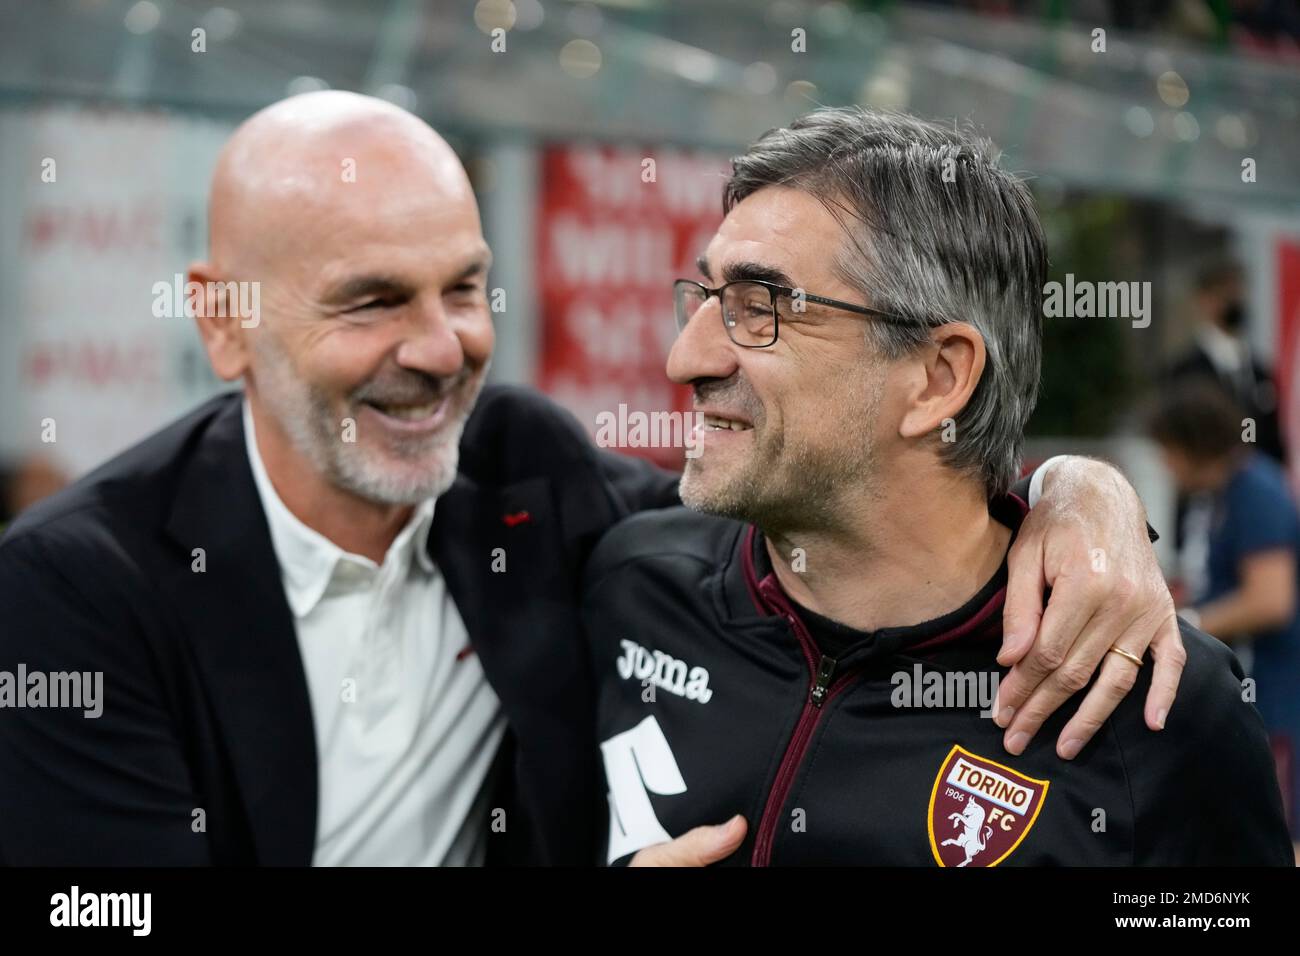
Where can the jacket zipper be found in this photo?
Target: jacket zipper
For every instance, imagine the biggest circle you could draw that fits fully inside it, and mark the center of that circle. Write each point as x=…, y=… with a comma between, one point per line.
x=820, y=692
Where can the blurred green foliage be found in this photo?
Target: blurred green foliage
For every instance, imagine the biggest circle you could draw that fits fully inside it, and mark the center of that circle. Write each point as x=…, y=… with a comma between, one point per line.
x=1088, y=377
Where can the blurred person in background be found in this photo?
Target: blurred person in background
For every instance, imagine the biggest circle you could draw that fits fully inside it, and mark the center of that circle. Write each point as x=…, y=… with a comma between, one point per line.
x=1222, y=352
x=1244, y=526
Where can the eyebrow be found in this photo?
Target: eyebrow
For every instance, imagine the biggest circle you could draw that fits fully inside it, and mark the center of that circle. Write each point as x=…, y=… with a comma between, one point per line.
x=369, y=286
x=479, y=266
x=745, y=269
x=391, y=287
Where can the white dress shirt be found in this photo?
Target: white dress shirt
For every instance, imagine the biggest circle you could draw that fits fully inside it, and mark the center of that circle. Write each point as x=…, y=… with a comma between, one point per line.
x=406, y=723
x=1229, y=355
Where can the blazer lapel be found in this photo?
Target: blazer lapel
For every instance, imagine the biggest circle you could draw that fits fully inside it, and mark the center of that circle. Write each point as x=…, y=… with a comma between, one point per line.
x=490, y=544
x=512, y=578
x=244, y=641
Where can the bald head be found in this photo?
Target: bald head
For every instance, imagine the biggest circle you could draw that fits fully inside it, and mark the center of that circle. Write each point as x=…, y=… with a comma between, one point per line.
x=298, y=160
x=354, y=226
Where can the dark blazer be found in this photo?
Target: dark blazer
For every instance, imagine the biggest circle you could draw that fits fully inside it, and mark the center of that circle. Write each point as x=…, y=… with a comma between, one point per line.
x=1258, y=399
x=205, y=750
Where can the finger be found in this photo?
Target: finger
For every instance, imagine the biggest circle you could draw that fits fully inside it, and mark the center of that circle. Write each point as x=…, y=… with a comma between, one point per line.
x=1060, y=684
x=699, y=847
x=1075, y=599
x=1023, y=609
x=1170, y=656
x=1115, y=679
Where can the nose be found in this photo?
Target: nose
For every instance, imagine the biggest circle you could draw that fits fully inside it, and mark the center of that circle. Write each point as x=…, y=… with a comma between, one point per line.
x=430, y=342
x=703, y=349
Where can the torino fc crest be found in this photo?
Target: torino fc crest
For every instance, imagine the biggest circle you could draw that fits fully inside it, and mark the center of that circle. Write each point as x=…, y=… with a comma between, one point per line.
x=980, y=810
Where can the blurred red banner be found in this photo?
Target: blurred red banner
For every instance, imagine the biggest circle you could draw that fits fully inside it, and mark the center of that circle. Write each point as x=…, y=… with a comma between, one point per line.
x=617, y=226
x=1288, y=350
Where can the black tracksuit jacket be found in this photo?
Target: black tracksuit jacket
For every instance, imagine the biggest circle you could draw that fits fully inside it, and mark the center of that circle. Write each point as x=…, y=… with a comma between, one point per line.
x=714, y=698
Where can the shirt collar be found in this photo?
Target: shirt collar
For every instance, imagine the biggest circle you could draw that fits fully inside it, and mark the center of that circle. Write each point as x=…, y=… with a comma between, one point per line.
x=1226, y=352
x=309, y=561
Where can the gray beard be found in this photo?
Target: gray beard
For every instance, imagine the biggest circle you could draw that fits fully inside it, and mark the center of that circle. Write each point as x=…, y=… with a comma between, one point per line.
x=307, y=418
x=795, y=486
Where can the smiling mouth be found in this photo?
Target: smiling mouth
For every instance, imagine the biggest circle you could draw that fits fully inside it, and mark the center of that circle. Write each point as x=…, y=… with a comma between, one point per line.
x=714, y=423
x=407, y=413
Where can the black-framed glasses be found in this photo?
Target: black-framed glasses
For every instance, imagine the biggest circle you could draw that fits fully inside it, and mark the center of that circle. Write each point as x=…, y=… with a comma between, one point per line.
x=749, y=308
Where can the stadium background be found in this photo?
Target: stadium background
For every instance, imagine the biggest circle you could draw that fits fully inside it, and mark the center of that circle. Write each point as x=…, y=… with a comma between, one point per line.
x=1136, y=155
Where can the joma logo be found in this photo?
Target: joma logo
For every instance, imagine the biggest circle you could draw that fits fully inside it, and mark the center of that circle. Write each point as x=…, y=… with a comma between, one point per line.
x=664, y=671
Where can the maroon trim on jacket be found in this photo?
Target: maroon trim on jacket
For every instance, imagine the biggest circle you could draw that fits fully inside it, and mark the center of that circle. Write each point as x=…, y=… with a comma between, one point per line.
x=751, y=576
x=770, y=598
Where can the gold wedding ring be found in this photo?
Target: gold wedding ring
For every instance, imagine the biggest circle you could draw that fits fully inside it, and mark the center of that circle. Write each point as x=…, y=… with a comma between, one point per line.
x=1127, y=655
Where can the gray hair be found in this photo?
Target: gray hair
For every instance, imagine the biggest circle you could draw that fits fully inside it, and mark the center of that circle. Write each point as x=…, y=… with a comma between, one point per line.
x=928, y=250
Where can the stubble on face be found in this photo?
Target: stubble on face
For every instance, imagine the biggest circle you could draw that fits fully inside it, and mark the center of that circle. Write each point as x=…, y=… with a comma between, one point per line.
x=392, y=471
x=801, y=474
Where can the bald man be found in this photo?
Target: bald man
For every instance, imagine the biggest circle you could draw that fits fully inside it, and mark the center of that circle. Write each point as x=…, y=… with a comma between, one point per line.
x=335, y=611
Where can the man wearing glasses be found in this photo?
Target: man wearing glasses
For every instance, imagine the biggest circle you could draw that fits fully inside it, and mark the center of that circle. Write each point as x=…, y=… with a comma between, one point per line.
x=749, y=305
x=810, y=644
x=336, y=609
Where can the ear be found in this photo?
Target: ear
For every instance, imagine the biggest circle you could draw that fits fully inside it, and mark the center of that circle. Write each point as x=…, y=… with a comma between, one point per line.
x=216, y=312
x=949, y=369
